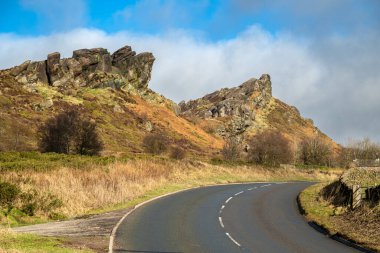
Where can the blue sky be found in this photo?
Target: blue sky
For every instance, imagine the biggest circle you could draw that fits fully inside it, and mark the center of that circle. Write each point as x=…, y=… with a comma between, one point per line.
x=323, y=56
x=215, y=20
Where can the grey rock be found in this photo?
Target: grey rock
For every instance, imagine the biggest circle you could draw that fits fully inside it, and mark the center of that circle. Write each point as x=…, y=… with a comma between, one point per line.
x=234, y=108
x=89, y=68
x=53, y=67
x=18, y=69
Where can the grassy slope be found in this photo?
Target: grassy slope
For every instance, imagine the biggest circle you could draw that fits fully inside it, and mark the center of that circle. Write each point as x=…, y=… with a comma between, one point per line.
x=95, y=185
x=121, y=115
x=361, y=226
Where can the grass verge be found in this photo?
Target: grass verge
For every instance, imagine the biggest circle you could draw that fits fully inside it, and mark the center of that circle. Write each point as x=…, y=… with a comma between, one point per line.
x=361, y=226
x=19, y=243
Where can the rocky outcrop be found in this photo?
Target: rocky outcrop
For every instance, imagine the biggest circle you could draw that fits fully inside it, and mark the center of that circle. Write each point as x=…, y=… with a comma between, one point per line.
x=234, y=107
x=89, y=68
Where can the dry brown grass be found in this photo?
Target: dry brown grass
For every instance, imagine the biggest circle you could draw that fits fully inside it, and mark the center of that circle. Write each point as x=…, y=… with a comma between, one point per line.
x=361, y=225
x=84, y=190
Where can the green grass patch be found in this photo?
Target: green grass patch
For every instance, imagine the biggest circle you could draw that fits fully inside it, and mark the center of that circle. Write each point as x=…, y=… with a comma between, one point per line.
x=36, y=161
x=28, y=243
x=316, y=209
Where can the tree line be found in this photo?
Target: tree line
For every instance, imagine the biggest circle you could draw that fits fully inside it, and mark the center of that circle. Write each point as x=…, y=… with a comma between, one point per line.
x=272, y=148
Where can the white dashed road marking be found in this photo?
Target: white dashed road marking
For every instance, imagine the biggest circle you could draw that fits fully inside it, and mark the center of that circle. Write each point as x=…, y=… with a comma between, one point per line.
x=239, y=193
x=221, y=222
x=233, y=240
x=223, y=206
x=228, y=199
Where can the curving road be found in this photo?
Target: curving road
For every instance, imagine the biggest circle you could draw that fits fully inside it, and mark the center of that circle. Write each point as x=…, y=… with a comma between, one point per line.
x=257, y=217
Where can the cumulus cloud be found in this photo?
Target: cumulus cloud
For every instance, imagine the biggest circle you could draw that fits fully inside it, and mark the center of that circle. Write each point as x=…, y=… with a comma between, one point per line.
x=334, y=81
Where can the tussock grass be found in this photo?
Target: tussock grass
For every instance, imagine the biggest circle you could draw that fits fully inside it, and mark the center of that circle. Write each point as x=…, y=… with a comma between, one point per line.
x=97, y=187
x=118, y=183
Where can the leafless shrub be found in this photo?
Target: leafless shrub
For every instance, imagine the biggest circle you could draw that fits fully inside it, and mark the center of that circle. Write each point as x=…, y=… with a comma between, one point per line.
x=231, y=149
x=155, y=143
x=313, y=151
x=69, y=133
x=363, y=149
x=177, y=153
x=270, y=148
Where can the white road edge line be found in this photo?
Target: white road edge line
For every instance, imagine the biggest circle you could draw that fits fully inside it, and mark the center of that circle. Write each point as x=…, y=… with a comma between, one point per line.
x=239, y=193
x=221, y=222
x=233, y=240
x=228, y=199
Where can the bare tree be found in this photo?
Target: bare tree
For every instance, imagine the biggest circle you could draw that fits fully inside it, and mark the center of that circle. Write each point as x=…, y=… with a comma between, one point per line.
x=364, y=152
x=69, y=133
x=270, y=148
x=231, y=149
x=313, y=151
x=363, y=149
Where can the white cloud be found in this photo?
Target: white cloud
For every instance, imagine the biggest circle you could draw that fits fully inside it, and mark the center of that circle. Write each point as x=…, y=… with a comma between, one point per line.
x=334, y=81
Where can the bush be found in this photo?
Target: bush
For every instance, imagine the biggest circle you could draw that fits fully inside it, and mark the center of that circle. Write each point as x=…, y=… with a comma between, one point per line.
x=270, y=148
x=363, y=150
x=313, y=151
x=8, y=195
x=155, y=143
x=178, y=153
x=231, y=149
x=69, y=133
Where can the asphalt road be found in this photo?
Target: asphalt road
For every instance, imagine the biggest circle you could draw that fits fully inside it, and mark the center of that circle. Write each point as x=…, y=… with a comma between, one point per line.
x=257, y=218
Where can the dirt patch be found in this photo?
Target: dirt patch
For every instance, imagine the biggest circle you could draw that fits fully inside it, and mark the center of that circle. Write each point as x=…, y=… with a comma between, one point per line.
x=90, y=232
x=98, y=244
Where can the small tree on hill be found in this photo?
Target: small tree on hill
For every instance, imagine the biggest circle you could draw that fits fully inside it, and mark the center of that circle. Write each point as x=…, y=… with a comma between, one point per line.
x=270, y=148
x=231, y=149
x=155, y=143
x=177, y=153
x=69, y=133
x=313, y=151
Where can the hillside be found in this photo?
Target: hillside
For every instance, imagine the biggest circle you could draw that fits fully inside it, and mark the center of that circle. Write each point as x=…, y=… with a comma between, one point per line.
x=248, y=109
x=112, y=90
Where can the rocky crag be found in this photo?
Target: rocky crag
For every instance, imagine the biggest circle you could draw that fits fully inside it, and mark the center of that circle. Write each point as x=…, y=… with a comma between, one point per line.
x=248, y=109
x=93, y=68
x=112, y=90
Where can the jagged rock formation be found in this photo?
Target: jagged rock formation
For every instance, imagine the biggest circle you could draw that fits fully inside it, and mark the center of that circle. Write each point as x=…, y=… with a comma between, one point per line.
x=236, y=104
x=112, y=89
x=89, y=68
x=243, y=111
x=109, y=89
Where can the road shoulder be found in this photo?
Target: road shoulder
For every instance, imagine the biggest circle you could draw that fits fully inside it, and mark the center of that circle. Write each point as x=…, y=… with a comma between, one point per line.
x=333, y=221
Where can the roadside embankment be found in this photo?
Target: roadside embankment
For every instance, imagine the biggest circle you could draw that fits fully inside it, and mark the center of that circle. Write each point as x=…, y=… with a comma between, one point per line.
x=360, y=226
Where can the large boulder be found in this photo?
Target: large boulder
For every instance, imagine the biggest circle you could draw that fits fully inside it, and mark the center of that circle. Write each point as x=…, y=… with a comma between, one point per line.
x=53, y=67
